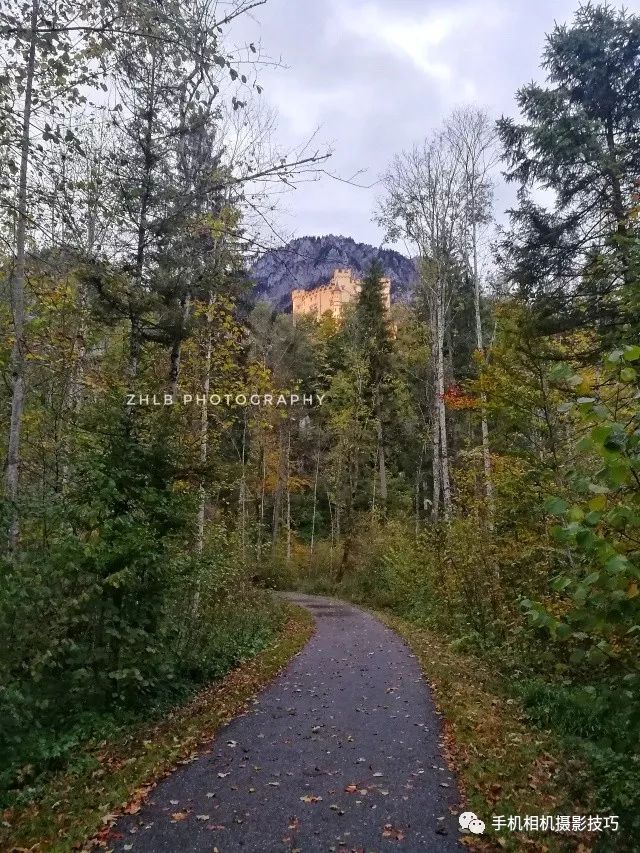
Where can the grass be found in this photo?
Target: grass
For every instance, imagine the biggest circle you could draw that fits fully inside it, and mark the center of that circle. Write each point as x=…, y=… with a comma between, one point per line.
x=114, y=776
x=505, y=766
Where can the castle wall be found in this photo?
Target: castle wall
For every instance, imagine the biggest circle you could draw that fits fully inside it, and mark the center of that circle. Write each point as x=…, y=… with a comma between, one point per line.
x=343, y=288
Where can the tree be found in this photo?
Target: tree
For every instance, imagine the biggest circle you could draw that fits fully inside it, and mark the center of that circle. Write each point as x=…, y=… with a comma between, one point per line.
x=473, y=137
x=423, y=205
x=578, y=140
x=374, y=341
x=40, y=82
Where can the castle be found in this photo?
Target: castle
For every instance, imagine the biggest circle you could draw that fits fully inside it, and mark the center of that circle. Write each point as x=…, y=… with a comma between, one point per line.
x=343, y=288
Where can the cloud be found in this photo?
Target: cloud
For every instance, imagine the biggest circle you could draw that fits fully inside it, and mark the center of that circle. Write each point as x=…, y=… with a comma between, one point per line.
x=416, y=40
x=376, y=76
x=432, y=40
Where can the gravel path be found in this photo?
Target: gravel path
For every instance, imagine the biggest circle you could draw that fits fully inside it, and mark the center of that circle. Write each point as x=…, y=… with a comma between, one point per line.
x=340, y=754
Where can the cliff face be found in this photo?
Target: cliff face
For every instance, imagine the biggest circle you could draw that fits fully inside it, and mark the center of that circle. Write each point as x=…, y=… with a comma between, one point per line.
x=309, y=261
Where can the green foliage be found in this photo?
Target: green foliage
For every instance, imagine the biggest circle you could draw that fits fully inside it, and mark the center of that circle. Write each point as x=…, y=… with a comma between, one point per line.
x=600, y=725
x=580, y=711
x=599, y=529
x=101, y=621
x=577, y=137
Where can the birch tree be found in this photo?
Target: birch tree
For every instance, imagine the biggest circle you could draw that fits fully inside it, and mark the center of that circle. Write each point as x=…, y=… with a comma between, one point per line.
x=472, y=135
x=46, y=62
x=422, y=206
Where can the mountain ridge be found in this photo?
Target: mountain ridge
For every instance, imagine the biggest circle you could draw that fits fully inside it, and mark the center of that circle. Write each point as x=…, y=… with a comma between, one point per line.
x=307, y=262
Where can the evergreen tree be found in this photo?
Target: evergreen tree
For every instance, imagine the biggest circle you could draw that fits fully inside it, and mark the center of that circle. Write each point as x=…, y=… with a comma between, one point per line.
x=579, y=140
x=372, y=324
x=374, y=341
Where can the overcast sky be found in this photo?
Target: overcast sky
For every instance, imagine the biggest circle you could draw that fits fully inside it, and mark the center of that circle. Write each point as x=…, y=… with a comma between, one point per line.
x=375, y=76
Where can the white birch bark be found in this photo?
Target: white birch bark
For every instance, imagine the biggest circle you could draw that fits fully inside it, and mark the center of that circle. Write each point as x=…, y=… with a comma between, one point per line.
x=442, y=415
x=484, y=424
x=473, y=137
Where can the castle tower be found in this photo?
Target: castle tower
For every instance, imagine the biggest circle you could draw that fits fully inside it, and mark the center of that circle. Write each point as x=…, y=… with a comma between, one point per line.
x=343, y=288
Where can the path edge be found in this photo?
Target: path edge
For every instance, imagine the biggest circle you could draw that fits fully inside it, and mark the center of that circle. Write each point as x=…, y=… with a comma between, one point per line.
x=191, y=729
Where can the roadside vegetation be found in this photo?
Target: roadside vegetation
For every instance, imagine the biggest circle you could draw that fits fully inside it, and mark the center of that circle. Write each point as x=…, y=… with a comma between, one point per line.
x=112, y=771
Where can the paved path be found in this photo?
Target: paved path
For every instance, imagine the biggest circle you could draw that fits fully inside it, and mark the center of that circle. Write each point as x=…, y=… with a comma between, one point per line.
x=339, y=754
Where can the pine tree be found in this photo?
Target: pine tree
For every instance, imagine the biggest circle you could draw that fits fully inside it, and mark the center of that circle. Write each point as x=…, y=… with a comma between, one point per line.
x=579, y=140
x=374, y=341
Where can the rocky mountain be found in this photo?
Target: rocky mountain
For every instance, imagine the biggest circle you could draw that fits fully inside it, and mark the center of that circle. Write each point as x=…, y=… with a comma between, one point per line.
x=309, y=261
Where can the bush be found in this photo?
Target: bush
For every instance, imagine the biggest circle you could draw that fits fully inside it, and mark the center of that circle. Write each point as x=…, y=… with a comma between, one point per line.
x=600, y=724
x=115, y=616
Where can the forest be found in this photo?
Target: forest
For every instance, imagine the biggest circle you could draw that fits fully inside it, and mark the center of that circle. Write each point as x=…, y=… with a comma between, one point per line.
x=472, y=470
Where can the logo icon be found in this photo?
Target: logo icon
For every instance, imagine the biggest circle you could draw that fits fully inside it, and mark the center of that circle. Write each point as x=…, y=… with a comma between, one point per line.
x=471, y=822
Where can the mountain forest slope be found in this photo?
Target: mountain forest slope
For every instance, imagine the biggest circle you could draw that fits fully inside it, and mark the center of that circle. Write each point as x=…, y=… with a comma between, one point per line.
x=307, y=262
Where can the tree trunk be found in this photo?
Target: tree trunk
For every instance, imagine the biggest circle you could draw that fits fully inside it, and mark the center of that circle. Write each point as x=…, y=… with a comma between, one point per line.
x=76, y=381
x=176, y=349
x=435, y=419
x=242, y=496
x=617, y=204
x=352, y=488
x=277, y=497
x=374, y=480
x=135, y=343
x=17, y=365
x=417, y=491
x=263, y=486
x=331, y=522
x=204, y=445
x=486, y=451
x=382, y=468
x=315, y=503
x=288, y=472
x=442, y=415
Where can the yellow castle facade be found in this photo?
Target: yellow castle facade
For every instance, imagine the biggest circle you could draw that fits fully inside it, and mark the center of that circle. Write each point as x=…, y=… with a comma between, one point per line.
x=332, y=297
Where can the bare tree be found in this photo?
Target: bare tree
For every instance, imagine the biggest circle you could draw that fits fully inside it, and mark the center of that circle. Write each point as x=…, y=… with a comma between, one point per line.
x=472, y=135
x=42, y=73
x=422, y=205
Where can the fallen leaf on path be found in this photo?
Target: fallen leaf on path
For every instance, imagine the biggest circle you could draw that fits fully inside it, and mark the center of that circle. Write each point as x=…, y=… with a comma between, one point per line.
x=178, y=816
x=391, y=831
x=310, y=798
